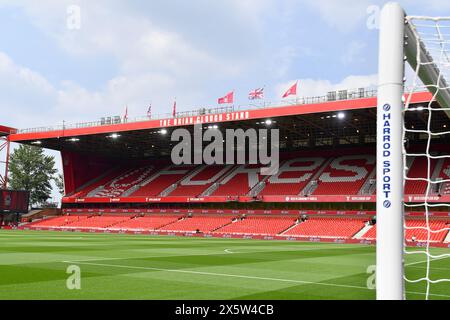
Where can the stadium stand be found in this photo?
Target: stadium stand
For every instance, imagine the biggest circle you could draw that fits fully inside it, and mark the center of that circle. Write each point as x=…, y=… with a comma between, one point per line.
x=162, y=180
x=96, y=184
x=257, y=225
x=58, y=221
x=146, y=223
x=345, y=175
x=420, y=235
x=199, y=180
x=119, y=185
x=418, y=169
x=344, y=227
x=292, y=177
x=339, y=228
x=444, y=174
x=97, y=222
x=200, y=223
x=321, y=175
x=239, y=181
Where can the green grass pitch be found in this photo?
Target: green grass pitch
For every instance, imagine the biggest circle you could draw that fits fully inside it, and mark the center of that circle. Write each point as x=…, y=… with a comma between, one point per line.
x=33, y=265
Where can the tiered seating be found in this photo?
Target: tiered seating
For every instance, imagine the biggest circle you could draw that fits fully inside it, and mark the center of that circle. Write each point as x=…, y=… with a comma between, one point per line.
x=421, y=235
x=98, y=222
x=446, y=189
x=239, y=181
x=58, y=221
x=293, y=177
x=201, y=223
x=124, y=182
x=345, y=175
x=161, y=181
x=254, y=225
x=147, y=223
x=418, y=169
x=341, y=228
x=101, y=182
x=445, y=175
x=197, y=182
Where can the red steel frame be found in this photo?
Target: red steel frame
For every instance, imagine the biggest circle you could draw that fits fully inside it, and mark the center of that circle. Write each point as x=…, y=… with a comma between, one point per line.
x=4, y=145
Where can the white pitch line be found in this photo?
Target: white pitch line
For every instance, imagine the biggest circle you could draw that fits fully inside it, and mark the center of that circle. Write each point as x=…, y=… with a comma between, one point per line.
x=216, y=274
x=228, y=251
x=434, y=268
x=419, y=262
x=237, y=276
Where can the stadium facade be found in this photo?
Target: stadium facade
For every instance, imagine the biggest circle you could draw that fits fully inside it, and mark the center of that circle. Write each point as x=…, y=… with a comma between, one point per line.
x=119, y=176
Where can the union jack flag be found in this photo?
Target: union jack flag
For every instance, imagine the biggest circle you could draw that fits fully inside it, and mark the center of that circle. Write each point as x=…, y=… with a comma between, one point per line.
x=256, y=94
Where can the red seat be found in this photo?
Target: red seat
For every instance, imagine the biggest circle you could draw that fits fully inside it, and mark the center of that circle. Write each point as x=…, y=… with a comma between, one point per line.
x=147, y=223
x=342, y=228
x=418, y=169
x=345, y=175
x=293, y=177
x=417, y=229
x=97, y=222
x=197, y=183
x=201, y=223
x=58, y=221
x=254, y=225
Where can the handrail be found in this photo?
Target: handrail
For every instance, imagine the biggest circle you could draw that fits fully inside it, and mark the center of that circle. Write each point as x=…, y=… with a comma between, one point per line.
x=339, y=95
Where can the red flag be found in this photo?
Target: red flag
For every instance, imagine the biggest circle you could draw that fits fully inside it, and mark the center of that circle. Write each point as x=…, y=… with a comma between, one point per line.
x=229, y=98
x=174, y=111
x=291, y=92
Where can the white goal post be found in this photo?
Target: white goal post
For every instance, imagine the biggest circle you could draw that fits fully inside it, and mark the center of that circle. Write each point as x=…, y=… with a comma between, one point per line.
x=401, y=41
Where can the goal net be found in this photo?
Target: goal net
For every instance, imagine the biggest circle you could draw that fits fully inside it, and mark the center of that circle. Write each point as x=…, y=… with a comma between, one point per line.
x=413, y=166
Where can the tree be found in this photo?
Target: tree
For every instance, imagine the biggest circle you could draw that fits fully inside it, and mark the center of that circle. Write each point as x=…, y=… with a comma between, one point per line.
x=59, y=181
x=31, y=170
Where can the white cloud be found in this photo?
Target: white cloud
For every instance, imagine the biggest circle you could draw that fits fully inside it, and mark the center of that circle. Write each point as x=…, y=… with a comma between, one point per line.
x=353, y=53
x=27, y=99
x=416, y=7
x=156, y=58
x=320, y=87
x=23, y=93
x=136, y=92
x=344, y=15
x=282, y=61
x=13, y=75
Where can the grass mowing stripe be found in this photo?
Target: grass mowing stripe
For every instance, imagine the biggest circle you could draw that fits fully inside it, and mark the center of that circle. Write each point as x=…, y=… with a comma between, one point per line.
x=237, y=276
x=215, y=274
x=425, y=261
x=323, y=270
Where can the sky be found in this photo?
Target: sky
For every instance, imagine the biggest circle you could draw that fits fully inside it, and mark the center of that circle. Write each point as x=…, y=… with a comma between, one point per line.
x=80, y=60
